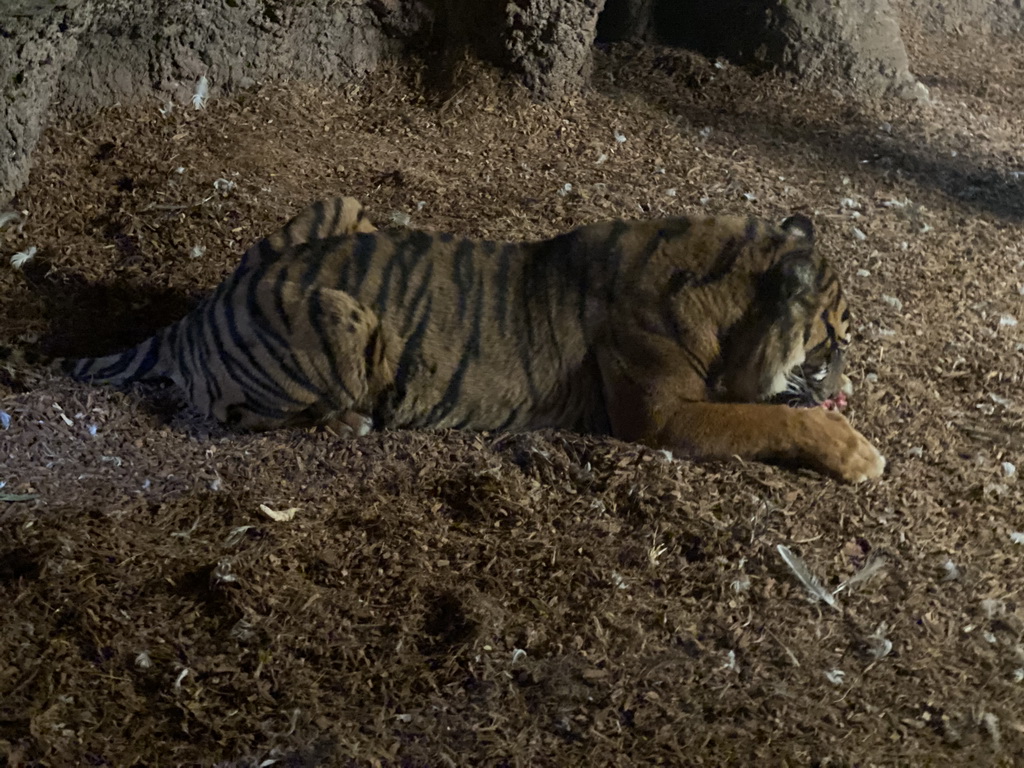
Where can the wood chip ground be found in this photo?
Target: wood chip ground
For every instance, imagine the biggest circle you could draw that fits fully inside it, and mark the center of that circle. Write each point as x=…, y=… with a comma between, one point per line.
x=536, y=599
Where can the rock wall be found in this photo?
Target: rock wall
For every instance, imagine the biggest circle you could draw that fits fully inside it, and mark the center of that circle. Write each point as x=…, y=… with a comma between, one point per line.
x=964, y=17
x=62, y=56
x=853, y=46
x=132, y=49
x=35, y=46
x=548, y=42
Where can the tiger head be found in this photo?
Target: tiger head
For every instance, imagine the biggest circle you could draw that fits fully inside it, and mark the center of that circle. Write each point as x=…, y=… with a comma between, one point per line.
x=791, y=344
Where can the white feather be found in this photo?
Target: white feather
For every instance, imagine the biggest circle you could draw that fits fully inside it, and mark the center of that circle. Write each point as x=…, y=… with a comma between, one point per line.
x=201, y=94
x=808, y=579
x=10, y=217
x=20, y=259
x=874, y=565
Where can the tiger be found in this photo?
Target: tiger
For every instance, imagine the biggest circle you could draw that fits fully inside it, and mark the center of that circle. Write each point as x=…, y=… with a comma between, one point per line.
x=712, y=337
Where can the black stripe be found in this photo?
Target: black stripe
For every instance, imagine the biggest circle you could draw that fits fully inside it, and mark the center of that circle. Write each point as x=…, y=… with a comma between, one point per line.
x=267, y=253
x=260, y=253
x=213, y=326
x=539, y=277
x=677, y=282
x=397, y=260
x=699, y=365
x=370, y=352
x=416, y=251
x=266, y=250
x=151, y=356
x=829, y=329
x=384, y=291
x=201, y=355
x=470, y=352
x=551, y=305
x=513, y=417
x=144, y=355
x=467, y=421
x=463, y=274
x=316, y=319
x=503, y=288
x=407, y=362
x=362, y=257
x=116, y=368
x=696, y=363
x=314, y=265
x=726, y=259
x=188, y=352
x=284, y=351
x=675, y=228
x=195, y=346
x=337, y=207
x=580, y=267
x=458, y=279
x=821, y=274
x=525, y=295
x=248, y=370
x=182, y=348
x=312, y=227
x=751, y=230
x=260, y=409
x=280, y=311
x=612, y=252
x=417, y=299
x=113, y=370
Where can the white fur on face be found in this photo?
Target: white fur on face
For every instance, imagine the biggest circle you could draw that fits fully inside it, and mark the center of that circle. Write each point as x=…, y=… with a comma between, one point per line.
x=781, y=382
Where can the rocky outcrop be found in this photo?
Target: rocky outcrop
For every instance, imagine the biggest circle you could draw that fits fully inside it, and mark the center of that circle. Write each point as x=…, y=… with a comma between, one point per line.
x=850, y=46
x=961, y=17
x=548, y=42
x=60, y=57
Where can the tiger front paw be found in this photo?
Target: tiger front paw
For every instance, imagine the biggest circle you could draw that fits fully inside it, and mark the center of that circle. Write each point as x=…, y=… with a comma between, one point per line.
x=840, y=449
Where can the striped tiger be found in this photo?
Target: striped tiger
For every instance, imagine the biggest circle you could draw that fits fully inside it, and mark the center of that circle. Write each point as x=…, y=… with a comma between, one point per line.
x=693, y=334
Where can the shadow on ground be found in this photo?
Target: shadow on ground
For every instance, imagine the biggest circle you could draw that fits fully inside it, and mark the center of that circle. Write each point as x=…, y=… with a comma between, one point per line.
x=859, y=141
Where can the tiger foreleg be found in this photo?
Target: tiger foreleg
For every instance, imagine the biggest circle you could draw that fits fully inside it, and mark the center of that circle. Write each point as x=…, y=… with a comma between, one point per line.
x=662, y=413
x=812, y=437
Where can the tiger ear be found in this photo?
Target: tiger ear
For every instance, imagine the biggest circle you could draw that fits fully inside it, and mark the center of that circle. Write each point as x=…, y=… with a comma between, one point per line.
x=798, y=225
x=796, y=275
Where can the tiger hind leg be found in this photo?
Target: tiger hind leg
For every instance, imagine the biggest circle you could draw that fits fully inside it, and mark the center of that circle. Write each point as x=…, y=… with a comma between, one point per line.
x=330, y=369
x=350, y=424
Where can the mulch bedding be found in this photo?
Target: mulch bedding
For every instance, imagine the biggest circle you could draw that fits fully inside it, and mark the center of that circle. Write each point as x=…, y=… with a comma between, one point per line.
x=531, y=599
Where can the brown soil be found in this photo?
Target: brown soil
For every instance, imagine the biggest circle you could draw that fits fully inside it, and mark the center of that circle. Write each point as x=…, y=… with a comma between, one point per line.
x=535, y=599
